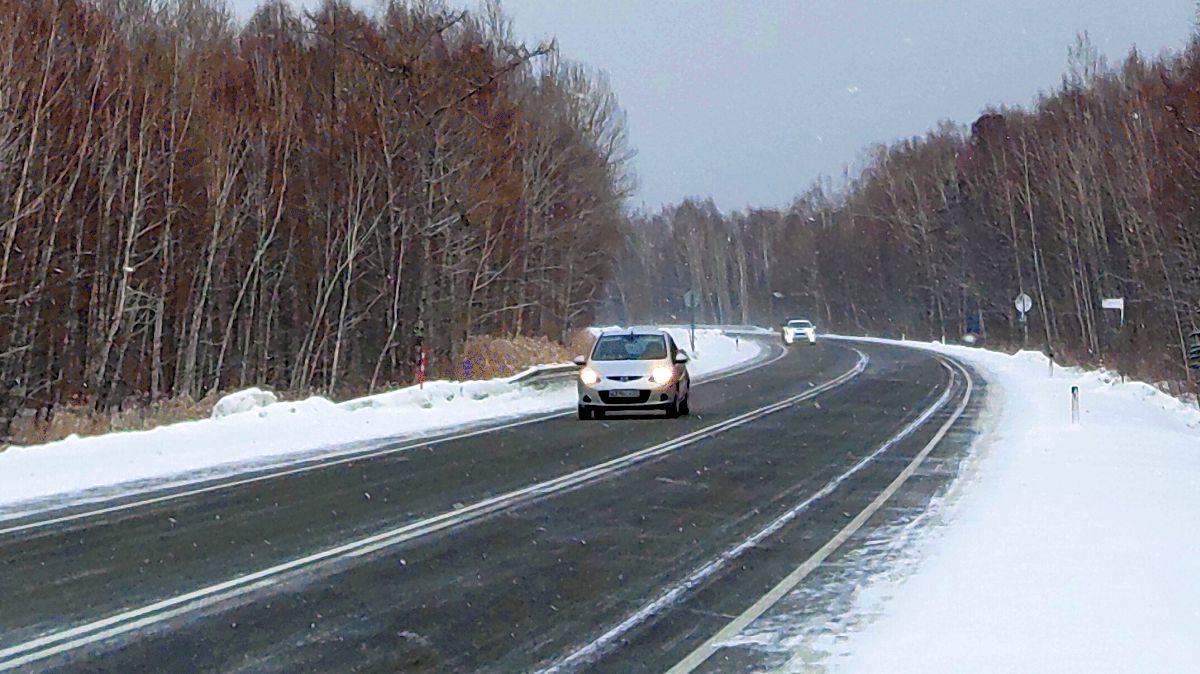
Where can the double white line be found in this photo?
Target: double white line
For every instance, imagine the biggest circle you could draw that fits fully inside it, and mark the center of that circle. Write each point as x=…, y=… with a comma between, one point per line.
x=66, y=640
x=735, y=626
x=596, y=648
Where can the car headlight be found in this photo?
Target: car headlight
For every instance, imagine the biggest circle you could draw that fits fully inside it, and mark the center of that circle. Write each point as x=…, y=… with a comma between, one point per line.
x=661, y=375
x=589, y=376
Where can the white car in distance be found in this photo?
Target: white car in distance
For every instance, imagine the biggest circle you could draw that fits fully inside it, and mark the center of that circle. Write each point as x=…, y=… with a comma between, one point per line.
x=798, y=329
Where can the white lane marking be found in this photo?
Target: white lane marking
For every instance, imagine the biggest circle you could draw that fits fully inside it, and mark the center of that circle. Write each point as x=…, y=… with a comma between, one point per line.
x=362, y=455
x=708, y=648
x=366, y=454
x=89, y=633
x=596, y=648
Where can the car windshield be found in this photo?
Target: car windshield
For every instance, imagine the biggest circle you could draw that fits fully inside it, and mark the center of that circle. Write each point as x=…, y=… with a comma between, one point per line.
x=630, y=347
x=799, y=324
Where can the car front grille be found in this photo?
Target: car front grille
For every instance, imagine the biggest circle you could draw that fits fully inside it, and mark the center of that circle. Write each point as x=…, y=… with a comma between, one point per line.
x=624, y=378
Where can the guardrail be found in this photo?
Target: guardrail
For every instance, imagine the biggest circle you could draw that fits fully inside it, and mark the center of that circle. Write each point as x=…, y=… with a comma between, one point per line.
x=728, y=329
x=541, y=376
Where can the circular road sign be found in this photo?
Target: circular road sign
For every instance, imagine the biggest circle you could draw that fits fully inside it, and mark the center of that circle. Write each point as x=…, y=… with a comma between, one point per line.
x=691, y=300
x=1023, y=303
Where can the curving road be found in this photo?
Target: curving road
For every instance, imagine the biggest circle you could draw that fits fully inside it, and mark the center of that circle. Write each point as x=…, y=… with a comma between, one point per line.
x=622, y=545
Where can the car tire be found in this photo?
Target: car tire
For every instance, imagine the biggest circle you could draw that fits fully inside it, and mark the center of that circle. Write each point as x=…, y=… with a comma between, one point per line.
x=673, y=409
x=685, y=405
x=585, y=414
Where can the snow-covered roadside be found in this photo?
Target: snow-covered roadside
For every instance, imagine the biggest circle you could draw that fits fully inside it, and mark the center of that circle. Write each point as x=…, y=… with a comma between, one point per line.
x=1064, y=548
x=32, y=477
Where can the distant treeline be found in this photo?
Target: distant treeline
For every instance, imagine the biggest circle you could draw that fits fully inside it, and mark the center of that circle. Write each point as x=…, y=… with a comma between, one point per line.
x=1093, y=194
x=189, y=205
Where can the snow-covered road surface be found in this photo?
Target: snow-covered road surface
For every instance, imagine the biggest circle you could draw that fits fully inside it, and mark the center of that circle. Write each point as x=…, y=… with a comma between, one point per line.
x=38, y=476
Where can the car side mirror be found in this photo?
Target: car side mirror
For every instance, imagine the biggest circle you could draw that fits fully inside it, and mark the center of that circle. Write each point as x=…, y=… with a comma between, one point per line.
x=681, y=358
x=580, y=360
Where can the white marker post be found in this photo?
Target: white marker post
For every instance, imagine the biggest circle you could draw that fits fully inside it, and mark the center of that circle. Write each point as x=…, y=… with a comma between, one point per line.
x=1074, y=404
x=691, y=300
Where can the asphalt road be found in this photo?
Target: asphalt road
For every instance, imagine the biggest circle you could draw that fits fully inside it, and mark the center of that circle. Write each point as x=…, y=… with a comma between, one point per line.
x=477, y=554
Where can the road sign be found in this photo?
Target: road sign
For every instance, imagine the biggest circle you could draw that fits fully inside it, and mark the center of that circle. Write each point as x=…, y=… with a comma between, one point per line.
x=1023, y=303
x=1117, y=303
x=1194, y=351
x=691, y=299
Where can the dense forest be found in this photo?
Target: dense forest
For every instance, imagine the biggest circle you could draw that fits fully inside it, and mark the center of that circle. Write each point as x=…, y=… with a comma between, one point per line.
x=1091, y=194
x=303, y=201
x=307, y=200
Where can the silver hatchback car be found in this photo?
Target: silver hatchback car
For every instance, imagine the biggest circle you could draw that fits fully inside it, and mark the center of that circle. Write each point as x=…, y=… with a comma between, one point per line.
x=633, y=369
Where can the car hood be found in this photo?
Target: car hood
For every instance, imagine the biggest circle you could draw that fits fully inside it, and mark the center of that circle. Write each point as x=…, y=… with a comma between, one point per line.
x=626, y=368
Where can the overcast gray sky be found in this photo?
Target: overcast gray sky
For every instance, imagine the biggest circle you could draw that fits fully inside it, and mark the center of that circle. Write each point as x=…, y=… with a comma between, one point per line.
x=747, y=102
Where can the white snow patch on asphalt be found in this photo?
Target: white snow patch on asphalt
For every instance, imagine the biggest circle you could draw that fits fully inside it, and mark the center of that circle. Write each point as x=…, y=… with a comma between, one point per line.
x=1064, y=548
x=250, y=432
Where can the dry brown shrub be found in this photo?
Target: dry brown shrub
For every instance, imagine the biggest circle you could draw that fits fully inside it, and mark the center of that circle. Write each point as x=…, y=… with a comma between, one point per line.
x=164, y=412
x=492, y=357
x=84, y=421
x=483, y=358
x=581, y=343
x=67, y=420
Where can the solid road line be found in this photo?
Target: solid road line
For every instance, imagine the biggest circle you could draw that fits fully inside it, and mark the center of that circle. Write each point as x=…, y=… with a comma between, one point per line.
x=708, y=648
x=357, y=456
x=319, y=464
x=597, y=647
x=66, y=640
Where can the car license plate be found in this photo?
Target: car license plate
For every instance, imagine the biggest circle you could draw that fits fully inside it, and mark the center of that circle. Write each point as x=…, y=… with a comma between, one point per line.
x=624, y=393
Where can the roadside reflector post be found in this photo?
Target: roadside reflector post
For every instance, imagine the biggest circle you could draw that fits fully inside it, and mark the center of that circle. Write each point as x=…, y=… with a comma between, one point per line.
x=737, y=343
x=691, y=300
x=1193, y=355
x=423, y=359
x=1074, y=404
x=1051, y=361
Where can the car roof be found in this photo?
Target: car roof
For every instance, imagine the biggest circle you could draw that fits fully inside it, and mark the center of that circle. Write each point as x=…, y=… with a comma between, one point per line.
x=635, y=330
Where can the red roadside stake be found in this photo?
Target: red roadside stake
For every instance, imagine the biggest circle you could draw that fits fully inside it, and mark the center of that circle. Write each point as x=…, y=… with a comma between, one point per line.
x=421, y=369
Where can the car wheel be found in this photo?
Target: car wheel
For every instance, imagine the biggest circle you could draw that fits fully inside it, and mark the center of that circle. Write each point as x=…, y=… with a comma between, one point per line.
x=685, y=405
x=584, y=413
x=673, y=409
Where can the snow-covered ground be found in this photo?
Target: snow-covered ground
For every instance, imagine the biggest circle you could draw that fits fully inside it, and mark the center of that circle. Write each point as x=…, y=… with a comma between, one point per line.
x=31, y=477
x=1062, y=548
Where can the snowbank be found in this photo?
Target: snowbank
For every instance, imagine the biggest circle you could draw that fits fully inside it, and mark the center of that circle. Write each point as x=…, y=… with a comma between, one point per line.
x=1065, y=548
x=250, y=431
x=243, y=401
